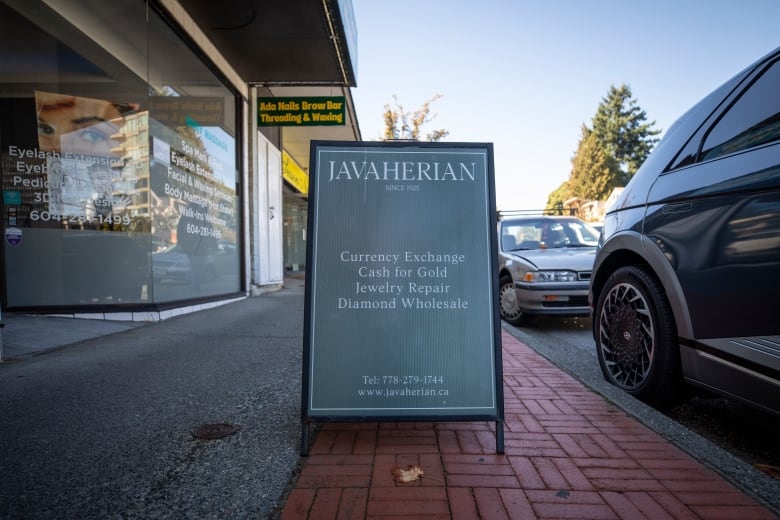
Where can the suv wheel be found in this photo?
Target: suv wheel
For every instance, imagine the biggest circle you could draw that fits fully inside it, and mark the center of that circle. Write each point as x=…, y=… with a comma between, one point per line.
x=636, y=339
x=510, y=312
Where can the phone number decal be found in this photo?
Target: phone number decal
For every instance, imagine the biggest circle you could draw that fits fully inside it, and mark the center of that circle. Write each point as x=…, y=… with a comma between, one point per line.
x=403, y=380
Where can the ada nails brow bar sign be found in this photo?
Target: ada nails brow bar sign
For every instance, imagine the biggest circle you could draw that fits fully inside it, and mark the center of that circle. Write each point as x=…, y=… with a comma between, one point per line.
x=401, y=318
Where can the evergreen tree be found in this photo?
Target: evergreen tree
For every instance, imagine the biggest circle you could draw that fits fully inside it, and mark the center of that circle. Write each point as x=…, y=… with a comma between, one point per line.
x=621, y=127
x=556, y=199
x=592, y=172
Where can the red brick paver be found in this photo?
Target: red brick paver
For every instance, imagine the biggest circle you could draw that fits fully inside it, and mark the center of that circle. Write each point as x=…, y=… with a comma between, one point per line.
x=568, y=454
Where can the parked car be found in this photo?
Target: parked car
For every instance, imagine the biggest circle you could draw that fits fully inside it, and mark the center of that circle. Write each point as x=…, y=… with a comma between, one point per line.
x=224, y=261
x=686, y=281
x=171, y=265
x=544, y=266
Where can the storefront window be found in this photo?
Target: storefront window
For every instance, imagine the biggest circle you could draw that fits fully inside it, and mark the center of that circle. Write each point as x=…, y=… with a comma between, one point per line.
x=119, y=164
x=295, y=217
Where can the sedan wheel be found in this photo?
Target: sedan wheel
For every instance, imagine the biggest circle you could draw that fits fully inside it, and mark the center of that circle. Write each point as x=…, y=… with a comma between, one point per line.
x=636, y=337
x=510, y=312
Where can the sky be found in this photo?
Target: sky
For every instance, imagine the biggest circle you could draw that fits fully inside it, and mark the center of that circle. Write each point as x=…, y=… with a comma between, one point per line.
x=526, y=75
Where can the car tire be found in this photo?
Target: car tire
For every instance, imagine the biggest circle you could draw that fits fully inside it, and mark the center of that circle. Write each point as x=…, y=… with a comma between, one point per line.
x=636, y=337
x=509, y=310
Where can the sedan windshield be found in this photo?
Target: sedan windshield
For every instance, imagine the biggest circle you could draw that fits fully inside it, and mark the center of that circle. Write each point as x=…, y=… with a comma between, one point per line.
x=517, y=235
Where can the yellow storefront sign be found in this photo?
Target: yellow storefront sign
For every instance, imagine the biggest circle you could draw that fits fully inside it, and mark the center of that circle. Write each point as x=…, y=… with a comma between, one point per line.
x=294, y=174
x=301, y=111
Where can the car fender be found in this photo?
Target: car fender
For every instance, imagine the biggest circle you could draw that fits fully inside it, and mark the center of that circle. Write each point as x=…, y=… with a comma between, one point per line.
x=505, y=272
x=630, y=244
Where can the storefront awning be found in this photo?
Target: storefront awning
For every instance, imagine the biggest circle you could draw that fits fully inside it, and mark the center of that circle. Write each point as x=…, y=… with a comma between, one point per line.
x=289, y=48
x=282, y=41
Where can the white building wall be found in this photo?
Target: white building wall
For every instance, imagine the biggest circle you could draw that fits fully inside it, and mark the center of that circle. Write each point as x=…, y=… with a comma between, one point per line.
x=266, y=214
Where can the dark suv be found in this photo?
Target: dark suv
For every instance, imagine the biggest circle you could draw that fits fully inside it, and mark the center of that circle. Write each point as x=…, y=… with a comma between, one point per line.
x=686, y=283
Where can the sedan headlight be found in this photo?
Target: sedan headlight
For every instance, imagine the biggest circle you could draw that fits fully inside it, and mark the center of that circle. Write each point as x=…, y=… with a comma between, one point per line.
x=549, y=276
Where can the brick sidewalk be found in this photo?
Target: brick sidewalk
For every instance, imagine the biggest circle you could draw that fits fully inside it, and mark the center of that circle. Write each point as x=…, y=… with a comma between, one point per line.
x=568, y=454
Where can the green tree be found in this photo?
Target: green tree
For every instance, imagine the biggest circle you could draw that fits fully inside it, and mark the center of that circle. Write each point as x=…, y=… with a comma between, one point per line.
x=556, y=199
x=592, y=169
x=401, y=124
x=621, y=128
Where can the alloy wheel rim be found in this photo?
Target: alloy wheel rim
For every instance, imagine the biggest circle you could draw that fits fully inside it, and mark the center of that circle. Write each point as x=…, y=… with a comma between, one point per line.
x=626, y=336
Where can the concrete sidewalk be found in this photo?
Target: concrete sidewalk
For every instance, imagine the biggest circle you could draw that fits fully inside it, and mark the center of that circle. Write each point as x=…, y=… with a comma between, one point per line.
x=104, y=427
x=569, y=453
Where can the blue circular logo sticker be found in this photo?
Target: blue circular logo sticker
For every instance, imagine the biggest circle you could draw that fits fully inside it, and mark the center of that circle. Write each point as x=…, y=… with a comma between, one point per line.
x=13, y=236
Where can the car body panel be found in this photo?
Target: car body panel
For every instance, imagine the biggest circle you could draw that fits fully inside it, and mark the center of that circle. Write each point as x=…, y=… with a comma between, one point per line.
x=716, y=369
x=560, y=258
x=706, y=221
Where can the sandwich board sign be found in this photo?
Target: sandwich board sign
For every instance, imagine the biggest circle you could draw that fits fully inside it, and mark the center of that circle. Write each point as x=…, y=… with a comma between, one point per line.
x=401, y=318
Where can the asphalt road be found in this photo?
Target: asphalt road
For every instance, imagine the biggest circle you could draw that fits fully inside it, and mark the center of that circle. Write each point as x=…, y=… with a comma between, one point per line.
x=735, y=440
x=103, y=429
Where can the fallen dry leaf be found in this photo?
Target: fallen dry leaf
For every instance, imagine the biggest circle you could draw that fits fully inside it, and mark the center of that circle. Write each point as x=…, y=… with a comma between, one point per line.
x=410, y=474
x=772, y=471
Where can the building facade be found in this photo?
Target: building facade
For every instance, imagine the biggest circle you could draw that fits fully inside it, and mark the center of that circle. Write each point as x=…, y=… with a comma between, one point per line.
x=136, y=179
